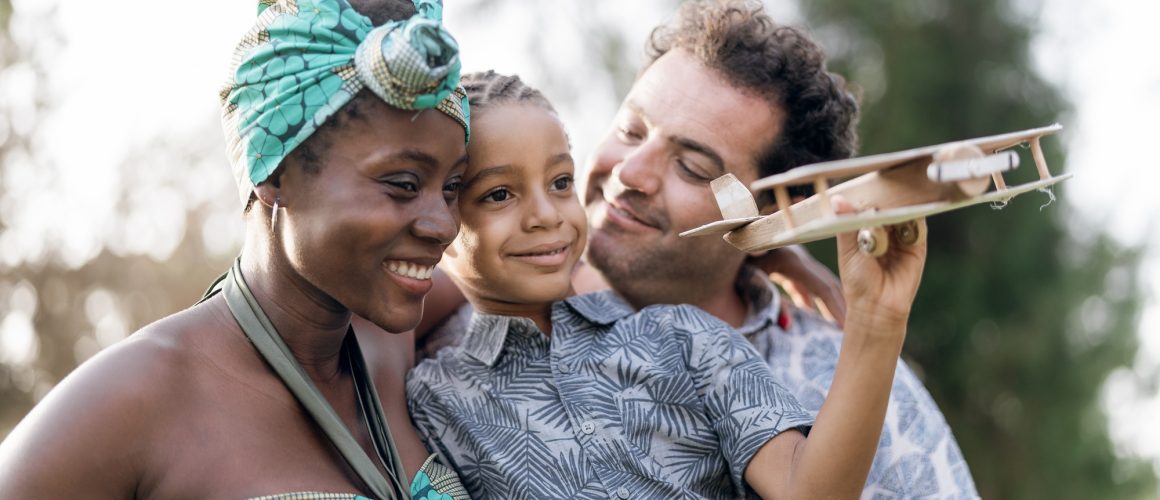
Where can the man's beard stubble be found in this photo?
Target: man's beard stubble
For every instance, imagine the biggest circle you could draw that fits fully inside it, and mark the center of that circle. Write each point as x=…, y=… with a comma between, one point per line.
x=647, y=273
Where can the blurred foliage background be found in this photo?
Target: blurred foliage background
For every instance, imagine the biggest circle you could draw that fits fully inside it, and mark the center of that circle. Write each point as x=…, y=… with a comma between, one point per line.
x=1019, y=321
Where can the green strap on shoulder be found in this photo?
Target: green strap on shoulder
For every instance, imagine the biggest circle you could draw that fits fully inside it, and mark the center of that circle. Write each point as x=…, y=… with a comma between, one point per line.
x=273, y=349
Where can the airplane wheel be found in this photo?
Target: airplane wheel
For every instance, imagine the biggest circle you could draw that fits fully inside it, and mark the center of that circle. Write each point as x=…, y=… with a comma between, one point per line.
x=873, y=241
x=910, y=233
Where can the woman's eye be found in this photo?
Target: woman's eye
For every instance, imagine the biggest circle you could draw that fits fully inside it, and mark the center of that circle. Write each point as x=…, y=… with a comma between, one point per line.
x=451, y=189
x=409, y=187
x=562, y=183
x=402, y=181
x=497, y=196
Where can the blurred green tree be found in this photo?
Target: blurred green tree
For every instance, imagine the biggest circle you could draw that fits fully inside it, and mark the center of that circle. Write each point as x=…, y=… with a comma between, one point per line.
x=1022, y=313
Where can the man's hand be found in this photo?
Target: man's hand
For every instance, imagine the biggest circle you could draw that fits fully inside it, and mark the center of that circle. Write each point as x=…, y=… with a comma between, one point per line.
x=805, y=279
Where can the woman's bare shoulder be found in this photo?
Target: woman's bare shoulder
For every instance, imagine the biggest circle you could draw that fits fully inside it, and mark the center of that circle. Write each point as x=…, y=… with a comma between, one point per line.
x=111, y=407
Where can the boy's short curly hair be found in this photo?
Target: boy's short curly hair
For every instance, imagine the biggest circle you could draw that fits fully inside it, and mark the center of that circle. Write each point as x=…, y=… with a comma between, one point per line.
x=779, y=63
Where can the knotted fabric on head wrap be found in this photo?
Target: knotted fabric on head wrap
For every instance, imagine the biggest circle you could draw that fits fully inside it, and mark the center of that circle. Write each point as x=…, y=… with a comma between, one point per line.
x=304, y=59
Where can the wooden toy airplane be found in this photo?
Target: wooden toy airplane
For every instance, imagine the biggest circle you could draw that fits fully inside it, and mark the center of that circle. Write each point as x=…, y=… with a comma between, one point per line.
x=891, y=189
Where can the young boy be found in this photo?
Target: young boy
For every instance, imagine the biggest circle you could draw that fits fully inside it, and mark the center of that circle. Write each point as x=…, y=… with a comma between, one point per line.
x=558, y=396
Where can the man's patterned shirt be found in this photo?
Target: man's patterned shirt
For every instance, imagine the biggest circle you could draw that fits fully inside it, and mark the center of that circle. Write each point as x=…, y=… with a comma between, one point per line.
x=917, y=455
x=665, y=403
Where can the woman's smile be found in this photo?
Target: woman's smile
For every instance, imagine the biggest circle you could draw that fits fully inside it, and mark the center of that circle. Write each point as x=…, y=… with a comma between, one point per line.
x=411, y=276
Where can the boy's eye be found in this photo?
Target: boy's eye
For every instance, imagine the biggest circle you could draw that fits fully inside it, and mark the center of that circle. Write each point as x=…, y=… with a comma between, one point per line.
x=501, y=194
x=562, y=183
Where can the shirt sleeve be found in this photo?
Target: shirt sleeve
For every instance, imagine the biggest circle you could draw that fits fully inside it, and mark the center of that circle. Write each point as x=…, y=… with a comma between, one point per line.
x=745, y=405
x=421, y=401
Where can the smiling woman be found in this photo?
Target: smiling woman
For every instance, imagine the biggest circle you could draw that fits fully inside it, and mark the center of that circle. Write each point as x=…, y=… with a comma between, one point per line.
x=348, y=143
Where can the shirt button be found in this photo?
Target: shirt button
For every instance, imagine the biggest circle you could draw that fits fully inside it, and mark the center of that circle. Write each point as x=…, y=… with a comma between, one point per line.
x=622, y=492
x=588, y=427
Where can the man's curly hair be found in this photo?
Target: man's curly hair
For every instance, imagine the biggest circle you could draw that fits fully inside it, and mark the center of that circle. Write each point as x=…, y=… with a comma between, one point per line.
x=779, y=63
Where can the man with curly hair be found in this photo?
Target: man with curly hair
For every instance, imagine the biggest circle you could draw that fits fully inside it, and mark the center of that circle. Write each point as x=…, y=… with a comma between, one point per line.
x=728, y=90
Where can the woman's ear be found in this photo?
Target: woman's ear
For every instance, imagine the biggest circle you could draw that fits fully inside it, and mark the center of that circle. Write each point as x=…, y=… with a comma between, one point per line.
x=269, y=190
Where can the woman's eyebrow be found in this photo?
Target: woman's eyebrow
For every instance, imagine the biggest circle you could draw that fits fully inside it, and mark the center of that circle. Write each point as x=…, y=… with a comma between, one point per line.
x=414, y=155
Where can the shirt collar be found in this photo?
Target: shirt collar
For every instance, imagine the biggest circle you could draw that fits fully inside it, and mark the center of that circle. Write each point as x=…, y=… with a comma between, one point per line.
x=488, y=333
x=761, y=296
x=603, y=308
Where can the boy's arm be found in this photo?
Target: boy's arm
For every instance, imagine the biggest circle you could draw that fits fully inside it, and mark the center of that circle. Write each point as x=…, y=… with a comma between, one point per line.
x=835, y=460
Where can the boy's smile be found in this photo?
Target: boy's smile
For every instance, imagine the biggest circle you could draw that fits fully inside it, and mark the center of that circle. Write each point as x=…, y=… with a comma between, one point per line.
x=549, y=255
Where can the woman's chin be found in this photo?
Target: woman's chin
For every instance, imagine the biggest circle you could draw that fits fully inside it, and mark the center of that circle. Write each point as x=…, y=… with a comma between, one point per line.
x=393, y=322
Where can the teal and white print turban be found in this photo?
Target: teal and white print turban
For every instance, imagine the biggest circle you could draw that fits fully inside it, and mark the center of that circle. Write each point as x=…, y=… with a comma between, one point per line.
x=305, y=59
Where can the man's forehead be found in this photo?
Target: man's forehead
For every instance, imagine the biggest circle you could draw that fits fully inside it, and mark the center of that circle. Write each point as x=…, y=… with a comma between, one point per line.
x=689, y=100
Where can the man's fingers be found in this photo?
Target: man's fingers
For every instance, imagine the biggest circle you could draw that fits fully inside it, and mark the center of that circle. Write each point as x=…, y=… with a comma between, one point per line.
x=803, y=298
x=792, y=289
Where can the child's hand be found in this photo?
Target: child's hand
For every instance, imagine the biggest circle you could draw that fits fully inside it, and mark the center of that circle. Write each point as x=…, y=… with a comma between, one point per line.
x=879, y=290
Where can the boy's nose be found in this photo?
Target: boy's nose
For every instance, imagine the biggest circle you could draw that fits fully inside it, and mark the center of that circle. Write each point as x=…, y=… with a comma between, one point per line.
x=542, y=214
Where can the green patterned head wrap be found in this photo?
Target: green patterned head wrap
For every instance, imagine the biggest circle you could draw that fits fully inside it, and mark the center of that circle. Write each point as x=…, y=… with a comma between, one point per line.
x=304, y=59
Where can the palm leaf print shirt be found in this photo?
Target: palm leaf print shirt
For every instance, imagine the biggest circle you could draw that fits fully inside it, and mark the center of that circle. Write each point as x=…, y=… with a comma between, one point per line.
x=917, y=455
x=667, y=402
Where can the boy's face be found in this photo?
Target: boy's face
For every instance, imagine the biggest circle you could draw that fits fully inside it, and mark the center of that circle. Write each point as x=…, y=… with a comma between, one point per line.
x=523, y=227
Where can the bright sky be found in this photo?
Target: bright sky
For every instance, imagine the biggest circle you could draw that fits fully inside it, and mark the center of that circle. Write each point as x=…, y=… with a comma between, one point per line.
x=1103, y=54
x=154, y=71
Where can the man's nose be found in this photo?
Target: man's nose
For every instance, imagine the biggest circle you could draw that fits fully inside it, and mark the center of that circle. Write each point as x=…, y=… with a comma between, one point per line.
x=642, y=168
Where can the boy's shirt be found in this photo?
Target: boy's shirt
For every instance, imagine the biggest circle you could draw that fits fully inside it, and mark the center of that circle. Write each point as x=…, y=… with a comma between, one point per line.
x=663, y=403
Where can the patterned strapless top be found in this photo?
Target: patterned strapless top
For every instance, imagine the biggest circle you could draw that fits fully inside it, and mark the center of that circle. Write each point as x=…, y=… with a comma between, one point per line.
x=434, y=481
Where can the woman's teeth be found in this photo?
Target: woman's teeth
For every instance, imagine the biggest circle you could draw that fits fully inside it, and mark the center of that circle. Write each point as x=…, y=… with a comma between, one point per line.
x=410, y=270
